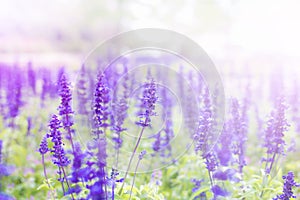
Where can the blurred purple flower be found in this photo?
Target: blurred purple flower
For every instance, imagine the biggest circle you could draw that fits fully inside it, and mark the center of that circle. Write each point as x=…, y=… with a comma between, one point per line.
x=78, y=161
x=31, y=75
x=218, y=191
x=120, y=113
x=81, y=89
x=203, y=133
x=1, y=146
x=224, y=151
x=274, y=134
x=98, y=190
x=5, y=197
x=210, y=161
x=14, y=93
x=197, y=185
x=239, y=133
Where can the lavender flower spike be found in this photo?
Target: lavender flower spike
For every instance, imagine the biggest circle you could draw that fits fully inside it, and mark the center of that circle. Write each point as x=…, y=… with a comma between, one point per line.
x=101, y=108
x=288, y=185
x=58, y=152
x=65, y=109
x=147, y=110
x=148, y=104
x=274, y=141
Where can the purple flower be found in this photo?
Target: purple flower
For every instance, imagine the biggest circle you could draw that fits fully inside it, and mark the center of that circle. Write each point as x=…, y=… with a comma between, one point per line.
x=58, y=152
x=218, y=191
x=98, y=190
x=76, y=189
x=44, y=146
x=77, y=172
x=81, y=90
x=274, y=142
x=14, y=93
x=164, y=137
x=197, y=185
x=239, y=134
x=1, y=146
x=120, y=113
x=46, y=77
x=65, y=109
x=31, y=77
x=228, y=174
x=5, y=170
x=5, y=197
x=203, y=134
x=224, y=151
x=288, y=185
x=142, y=154
x=101, y=104
x=210, y=161
x=157, y=143
x=148, y=104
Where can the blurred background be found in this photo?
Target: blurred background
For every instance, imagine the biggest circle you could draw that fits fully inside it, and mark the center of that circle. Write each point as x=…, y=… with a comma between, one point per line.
x=237, y=34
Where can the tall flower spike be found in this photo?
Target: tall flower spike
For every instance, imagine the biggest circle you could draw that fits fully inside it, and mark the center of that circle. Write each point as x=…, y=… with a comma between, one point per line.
x=14, y=94
x=148, y=104
x=203, y=133
x=166, y=149
x=101, y=105
x=120, y=113
x=65, y=109
x=31, y=77
x=77, y=171
x=239, y=134
x=58, y=152
x=224, y=151
x=147, y=110
x=274, y=142
x=98, y=190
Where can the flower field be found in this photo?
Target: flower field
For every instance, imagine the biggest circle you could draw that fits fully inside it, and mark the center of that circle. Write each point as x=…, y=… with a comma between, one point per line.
x=109, y=134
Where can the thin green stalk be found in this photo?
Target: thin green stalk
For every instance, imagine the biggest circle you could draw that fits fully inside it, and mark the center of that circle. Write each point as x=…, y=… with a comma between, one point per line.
x=46, y=177
x=131, y=158
x=137, y=165
x=70, y=134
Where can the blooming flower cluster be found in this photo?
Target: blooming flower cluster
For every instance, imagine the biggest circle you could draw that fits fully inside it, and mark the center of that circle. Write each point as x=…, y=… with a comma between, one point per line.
x=148, y=104
x=274, y=141
x=288, y=185
x=59, y=156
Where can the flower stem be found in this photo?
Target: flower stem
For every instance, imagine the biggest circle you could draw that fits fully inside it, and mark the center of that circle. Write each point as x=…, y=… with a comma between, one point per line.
x=65, y=177
x=62, y=184
x=46, y=177
x=70, y=134
x=45, y=173
x=131, y=158
x=137, y=165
